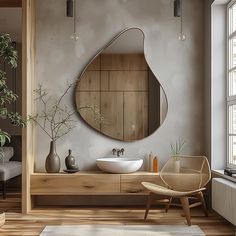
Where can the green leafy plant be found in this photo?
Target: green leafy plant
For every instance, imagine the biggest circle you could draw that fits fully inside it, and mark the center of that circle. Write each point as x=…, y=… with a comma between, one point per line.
x=55, y=118
x=7, y=55
x=177, y=147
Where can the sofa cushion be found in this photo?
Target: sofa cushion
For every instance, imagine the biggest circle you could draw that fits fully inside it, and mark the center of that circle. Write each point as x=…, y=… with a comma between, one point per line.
x=7, y=154
x=10, y=170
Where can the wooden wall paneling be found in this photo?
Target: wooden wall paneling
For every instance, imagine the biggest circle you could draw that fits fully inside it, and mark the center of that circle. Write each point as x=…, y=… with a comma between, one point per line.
x=153, y=103
x=10, y=3
x=28, y=105
x=95, y=64
x=128, y=80
x=135, y=115
x=112, y=111
x=90, y=81
x=104, y=80
x=123, y=62
x=92, y=100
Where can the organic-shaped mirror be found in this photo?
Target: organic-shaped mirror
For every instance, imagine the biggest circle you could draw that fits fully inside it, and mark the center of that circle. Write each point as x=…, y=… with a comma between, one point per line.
x=123, y=97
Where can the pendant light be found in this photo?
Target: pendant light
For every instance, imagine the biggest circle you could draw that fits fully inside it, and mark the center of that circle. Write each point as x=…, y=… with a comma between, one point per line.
x=177, y=8
x=71, y=12
x=69, y=8
x=178, y=12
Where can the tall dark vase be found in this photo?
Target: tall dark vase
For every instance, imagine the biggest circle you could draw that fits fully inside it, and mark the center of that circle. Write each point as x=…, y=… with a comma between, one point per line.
x=52, y=164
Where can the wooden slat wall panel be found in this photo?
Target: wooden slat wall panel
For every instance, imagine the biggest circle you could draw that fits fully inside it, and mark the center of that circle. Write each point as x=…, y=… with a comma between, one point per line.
x=128, y=80
x=89, y=99
x=90, y=81
x=104, y=80
x=123, y=62
x=116, y=75
x=112, y=111
x=135, y=115
x=95, y=64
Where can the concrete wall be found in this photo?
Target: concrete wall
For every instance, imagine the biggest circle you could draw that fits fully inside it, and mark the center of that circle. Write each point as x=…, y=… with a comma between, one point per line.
x=179, y=67
x=218, y=86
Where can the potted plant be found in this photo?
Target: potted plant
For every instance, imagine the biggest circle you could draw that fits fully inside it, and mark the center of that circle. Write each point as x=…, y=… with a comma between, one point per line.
x=8, y=55
x=176, y=150
x=56, y=120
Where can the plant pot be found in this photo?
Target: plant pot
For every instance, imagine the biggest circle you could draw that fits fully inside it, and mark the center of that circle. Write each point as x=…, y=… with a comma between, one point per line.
x=2, y=218
x=52, y=164
x=177, y=166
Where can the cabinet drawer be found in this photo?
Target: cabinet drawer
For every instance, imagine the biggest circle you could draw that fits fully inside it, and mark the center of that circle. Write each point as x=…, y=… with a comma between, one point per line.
x=59, y=184
x=132, y=183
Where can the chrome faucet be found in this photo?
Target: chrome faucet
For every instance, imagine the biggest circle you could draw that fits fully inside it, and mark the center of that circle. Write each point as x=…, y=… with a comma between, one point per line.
x=118, y=152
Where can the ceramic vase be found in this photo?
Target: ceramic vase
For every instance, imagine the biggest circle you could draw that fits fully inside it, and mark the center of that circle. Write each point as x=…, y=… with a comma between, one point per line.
x=52, y=164
x=70, y=161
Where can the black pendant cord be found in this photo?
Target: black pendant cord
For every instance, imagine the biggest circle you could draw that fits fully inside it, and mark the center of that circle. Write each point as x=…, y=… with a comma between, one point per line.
x=74, y=35
x=181, y=18
x=182, y=37
x=74, y=20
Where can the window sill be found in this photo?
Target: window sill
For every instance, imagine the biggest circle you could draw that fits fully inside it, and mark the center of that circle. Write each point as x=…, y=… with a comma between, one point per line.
x=221, y=174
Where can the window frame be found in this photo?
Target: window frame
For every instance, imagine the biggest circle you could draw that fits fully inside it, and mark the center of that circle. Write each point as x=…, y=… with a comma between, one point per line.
x=230, y=100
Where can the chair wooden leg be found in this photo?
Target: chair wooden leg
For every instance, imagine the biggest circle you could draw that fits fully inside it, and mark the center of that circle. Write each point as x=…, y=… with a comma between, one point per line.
x=202, y=200
x=185, y=205
x=168, y=204
x=149, y=202
x=4, y=191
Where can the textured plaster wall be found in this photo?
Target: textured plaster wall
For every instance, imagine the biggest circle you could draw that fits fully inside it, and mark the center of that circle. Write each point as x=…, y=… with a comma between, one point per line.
x=178, y=66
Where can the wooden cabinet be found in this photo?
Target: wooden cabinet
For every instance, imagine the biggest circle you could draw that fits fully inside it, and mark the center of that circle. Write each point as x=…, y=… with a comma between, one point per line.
x=131, y=183
x=74, y=184
x=91, y=183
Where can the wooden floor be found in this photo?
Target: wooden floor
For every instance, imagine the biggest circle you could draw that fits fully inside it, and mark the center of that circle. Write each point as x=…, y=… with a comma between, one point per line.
x=19, y=224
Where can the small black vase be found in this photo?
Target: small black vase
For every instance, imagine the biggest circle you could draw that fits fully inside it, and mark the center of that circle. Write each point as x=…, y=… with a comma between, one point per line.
x=70, y=162
x=52, y=164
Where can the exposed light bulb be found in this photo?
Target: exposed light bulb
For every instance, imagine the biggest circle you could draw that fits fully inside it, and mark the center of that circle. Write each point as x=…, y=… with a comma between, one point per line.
x=182, y=37
x=74, y=36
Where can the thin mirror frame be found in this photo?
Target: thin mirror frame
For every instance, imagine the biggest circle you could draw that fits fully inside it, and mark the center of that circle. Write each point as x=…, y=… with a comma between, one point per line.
x=87, y=65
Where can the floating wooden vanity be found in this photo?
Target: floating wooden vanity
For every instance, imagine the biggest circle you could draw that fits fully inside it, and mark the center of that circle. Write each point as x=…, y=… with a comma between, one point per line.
x=91, y=183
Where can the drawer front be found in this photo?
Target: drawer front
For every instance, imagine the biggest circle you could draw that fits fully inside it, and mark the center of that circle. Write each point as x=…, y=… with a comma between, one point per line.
x=74, y=184
x=132, y=183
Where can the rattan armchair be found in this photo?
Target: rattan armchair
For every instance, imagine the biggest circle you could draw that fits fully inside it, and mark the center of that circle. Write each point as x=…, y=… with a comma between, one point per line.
x=186, y=179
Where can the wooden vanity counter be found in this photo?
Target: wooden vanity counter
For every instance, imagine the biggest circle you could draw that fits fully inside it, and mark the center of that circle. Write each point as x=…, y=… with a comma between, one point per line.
x=91, y=183
x=96, y=183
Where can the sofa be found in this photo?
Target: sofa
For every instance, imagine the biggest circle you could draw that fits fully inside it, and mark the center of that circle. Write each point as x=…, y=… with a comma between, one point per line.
x=9, y=168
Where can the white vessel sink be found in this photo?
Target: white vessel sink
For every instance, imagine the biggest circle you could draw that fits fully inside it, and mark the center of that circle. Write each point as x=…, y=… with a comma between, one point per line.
x=119, y=165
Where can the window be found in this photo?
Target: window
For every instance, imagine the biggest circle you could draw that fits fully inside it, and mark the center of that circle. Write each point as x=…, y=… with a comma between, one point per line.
x=231, y=85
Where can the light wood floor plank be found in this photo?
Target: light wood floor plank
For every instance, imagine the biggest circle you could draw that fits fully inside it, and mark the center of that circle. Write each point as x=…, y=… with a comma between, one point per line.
x=33, y=224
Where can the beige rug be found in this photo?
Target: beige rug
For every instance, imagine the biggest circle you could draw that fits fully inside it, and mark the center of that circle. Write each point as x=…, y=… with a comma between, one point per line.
x=123, y=230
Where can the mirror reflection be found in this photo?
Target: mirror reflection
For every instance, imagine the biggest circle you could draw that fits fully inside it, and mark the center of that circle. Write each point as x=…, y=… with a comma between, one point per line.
x=119, y=86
